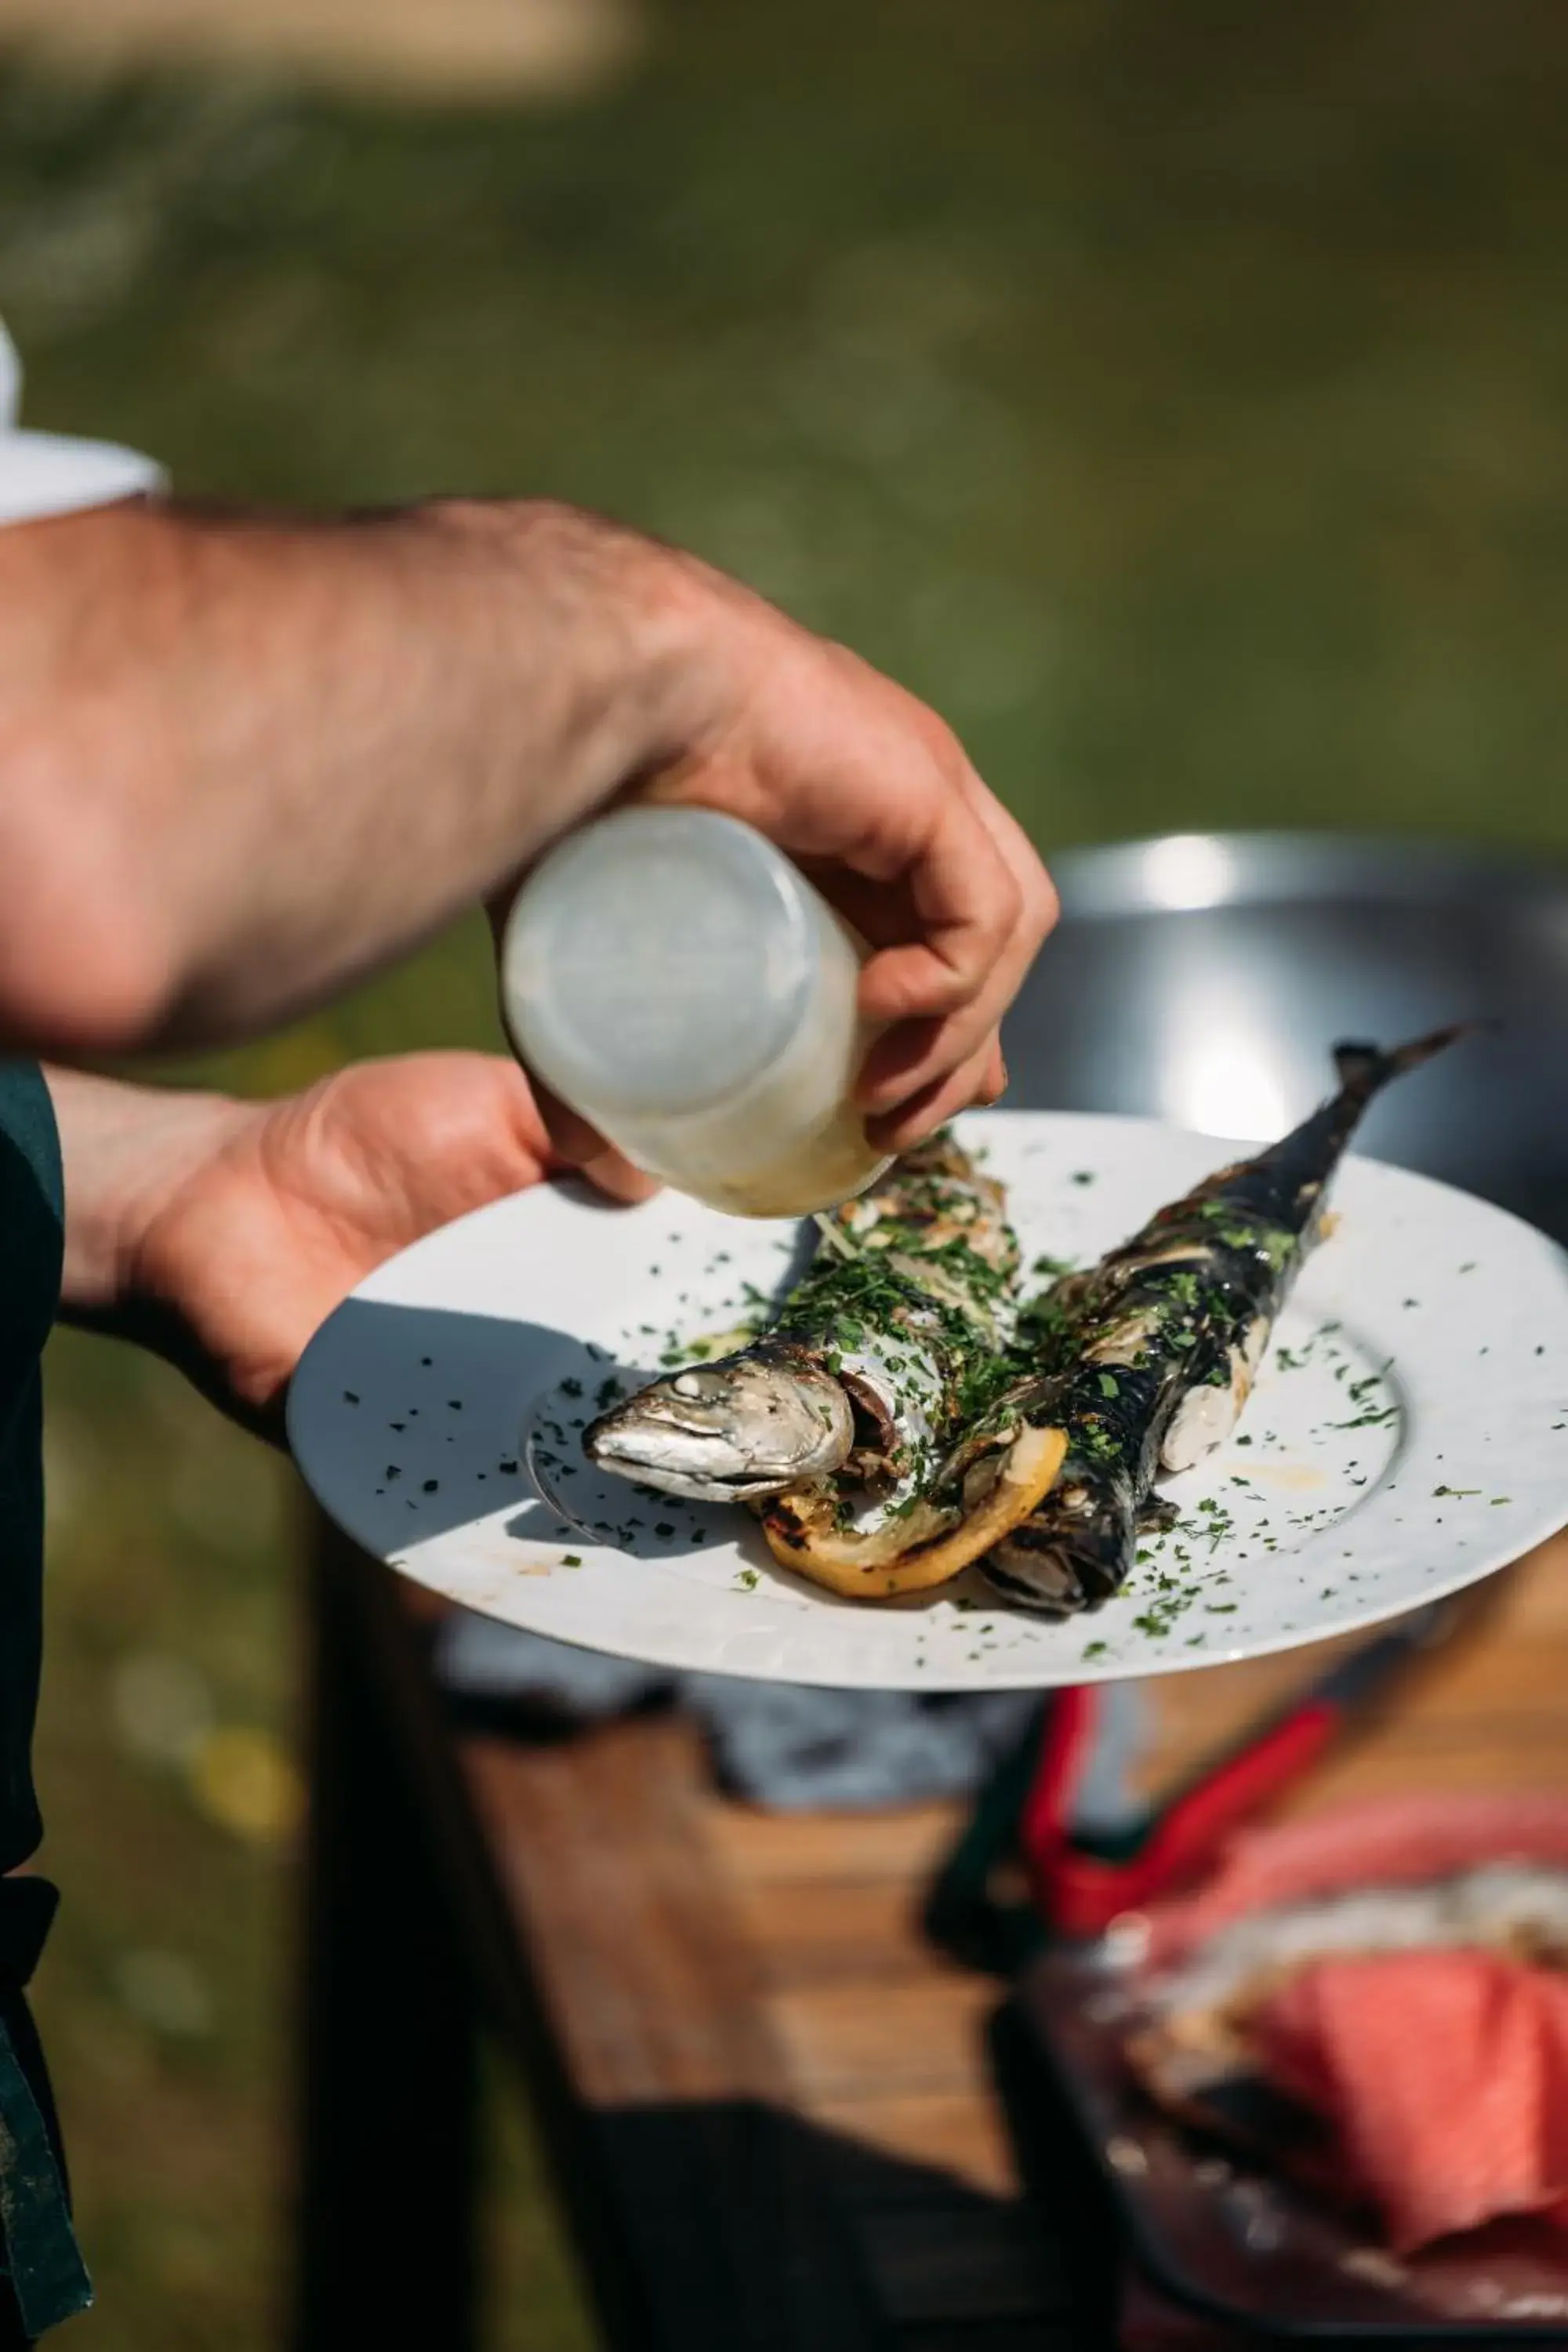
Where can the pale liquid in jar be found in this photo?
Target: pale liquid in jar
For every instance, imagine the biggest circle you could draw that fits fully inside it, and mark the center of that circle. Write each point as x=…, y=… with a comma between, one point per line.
x=674, y=979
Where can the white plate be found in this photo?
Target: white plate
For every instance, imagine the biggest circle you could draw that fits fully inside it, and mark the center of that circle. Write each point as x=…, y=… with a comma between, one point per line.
x=1408, y=1435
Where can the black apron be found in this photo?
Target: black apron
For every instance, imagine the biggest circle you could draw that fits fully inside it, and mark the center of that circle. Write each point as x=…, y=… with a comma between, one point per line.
x=45, y=2281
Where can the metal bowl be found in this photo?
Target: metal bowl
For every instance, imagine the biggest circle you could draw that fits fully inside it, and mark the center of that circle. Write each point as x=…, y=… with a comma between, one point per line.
x=1203, y=977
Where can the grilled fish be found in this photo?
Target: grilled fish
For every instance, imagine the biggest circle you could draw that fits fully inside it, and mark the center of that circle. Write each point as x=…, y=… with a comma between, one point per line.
x=864, y=1372
x=1166, y=1339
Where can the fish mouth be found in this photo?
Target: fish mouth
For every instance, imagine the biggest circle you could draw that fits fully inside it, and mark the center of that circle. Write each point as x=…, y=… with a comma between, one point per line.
x=713, y=1473
x=712, y=1485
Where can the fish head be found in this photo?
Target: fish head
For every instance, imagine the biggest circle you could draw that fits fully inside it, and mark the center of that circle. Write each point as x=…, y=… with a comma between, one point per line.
x=748, y=1425
x=1075, y=1548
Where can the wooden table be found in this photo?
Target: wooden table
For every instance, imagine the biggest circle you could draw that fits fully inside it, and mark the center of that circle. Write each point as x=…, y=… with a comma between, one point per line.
x=775, y=2111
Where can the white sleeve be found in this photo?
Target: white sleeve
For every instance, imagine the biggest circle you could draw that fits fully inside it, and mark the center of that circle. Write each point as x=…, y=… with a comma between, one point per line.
x=45, y=473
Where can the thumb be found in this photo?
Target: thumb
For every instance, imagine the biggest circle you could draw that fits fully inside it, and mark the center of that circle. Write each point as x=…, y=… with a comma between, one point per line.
x=580, y=1146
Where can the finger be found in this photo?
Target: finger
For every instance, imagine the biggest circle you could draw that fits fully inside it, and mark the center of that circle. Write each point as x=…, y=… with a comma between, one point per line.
x=917, y=1054
x=964, y=907
x=921, y=1114
x=898, y=1066
x=1022, y=860
x=572, y=1140
x=1004, y=906
x=895, y=833
x=614, y=1175
x=578, y=1145
x=911, y=1055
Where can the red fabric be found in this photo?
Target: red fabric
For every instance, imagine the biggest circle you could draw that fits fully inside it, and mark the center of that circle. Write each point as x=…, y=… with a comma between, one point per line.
x=1397, y=1842
x=1445, y=2074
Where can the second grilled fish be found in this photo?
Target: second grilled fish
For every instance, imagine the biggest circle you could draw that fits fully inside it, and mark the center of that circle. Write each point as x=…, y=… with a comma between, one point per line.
x=1166, y=1336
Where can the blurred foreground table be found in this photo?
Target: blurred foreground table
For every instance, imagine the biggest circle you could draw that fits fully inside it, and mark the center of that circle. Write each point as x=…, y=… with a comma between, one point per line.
x=775, y=2114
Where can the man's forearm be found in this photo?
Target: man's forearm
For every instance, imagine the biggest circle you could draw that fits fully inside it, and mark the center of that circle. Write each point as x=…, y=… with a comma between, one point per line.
x=240, y=761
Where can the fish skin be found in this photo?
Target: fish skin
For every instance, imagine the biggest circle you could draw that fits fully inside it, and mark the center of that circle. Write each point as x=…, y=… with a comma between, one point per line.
x=911, y=1282
x=1178, y=1315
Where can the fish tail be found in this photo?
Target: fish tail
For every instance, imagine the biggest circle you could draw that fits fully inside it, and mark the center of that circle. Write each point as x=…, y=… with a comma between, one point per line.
x=1364, y=1069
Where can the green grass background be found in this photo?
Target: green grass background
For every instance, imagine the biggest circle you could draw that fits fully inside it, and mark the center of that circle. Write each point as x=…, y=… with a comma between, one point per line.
x=1175, y=396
